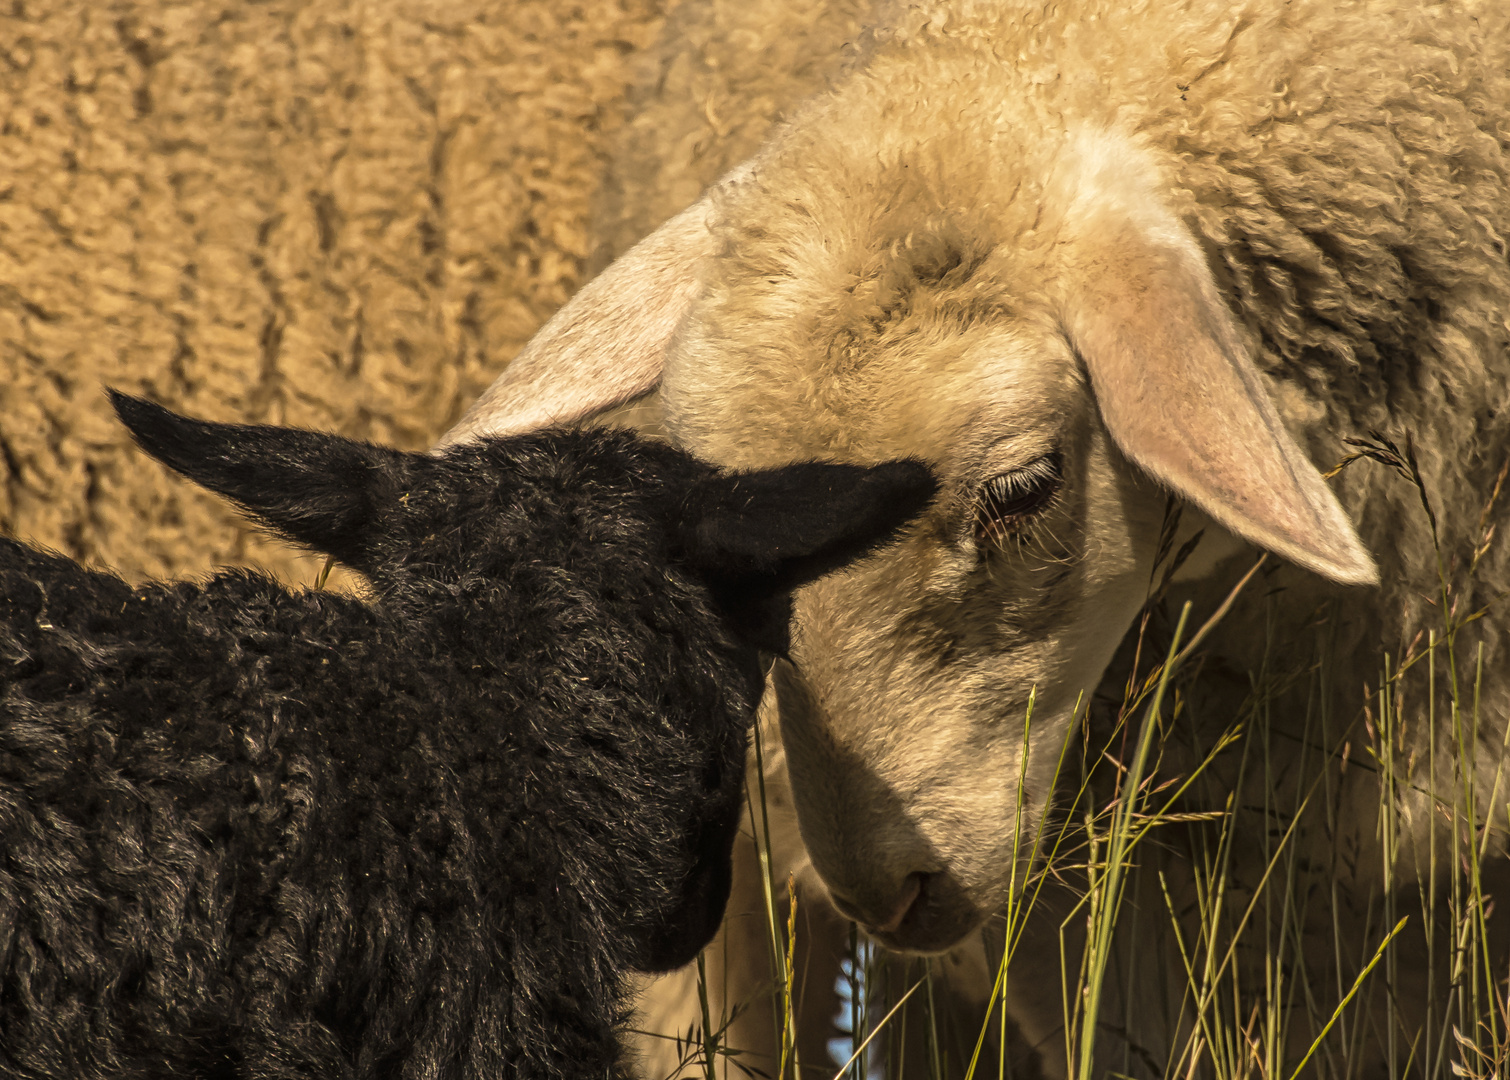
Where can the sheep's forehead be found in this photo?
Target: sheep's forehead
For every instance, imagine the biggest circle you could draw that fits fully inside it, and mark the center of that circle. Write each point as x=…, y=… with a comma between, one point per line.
x=888, y=349
x=863, y=303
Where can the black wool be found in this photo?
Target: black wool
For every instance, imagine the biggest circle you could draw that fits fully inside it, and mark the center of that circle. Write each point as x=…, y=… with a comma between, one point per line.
x=253, y=832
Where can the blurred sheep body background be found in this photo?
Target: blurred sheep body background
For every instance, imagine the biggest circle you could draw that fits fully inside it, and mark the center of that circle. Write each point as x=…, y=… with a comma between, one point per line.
x=343, y=215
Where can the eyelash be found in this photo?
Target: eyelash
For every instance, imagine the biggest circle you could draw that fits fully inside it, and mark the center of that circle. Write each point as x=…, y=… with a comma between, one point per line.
x=1009, y=502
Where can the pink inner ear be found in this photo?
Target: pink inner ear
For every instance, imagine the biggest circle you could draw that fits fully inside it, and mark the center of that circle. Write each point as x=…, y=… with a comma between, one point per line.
x=1182, y=400
x=607, y=345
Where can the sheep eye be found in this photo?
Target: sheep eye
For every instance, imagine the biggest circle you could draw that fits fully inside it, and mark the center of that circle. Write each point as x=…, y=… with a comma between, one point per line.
x=1009, y=501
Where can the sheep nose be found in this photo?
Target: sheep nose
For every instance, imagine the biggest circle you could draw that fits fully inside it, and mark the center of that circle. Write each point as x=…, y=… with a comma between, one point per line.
x=887, y=916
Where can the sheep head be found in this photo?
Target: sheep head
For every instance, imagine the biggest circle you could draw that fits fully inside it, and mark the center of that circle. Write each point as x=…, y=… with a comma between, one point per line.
x=1021, y=302
x=621, y=581
x=1047, y=331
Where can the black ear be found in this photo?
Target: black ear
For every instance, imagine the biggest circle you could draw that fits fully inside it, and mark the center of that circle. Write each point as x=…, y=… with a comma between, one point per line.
x=758, y=535
x=320, y=491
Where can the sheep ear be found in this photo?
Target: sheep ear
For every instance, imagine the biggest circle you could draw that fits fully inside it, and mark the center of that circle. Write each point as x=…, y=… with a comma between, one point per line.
x=758, y=535
x=1183, y=400
x=320, y=491
x=607, y=345
x=793, y=524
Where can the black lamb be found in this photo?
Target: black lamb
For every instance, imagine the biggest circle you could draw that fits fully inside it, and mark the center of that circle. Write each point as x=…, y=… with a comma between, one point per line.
x=247, y=831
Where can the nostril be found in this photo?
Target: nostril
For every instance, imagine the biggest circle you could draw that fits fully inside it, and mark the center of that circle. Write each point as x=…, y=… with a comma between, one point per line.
x=886, y=915
x=912, y=890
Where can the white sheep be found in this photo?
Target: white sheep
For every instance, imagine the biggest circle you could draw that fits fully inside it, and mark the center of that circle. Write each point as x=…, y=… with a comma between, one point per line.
x=1079, y=256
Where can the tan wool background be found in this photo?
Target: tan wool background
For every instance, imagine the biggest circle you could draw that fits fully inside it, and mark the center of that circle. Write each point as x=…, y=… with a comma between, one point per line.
x=345, y=214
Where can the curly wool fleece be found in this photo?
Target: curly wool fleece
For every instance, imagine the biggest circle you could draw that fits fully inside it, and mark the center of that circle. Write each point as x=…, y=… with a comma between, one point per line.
x=347, y=215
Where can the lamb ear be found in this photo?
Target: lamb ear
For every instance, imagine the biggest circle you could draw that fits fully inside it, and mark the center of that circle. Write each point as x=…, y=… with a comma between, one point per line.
x=756, y=536
x=778, y=529
x=1183, y=400
x=320, y=491
x=608, y=344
